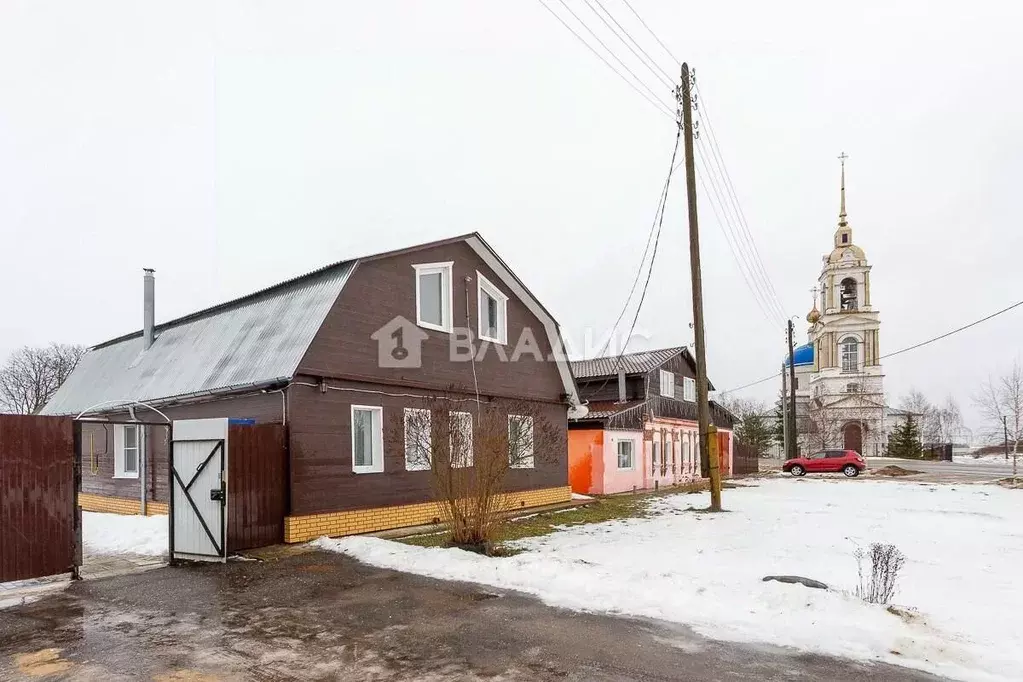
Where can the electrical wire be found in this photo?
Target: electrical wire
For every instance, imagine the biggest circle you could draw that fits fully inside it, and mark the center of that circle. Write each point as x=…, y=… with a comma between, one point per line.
x=652, y=98
x=901, y=350
x=651, y=64
x=651, y=31
x=650, y=268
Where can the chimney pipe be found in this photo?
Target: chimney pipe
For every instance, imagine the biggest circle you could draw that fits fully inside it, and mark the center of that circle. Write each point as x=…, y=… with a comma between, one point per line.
x=148, y=307
x=621, y=385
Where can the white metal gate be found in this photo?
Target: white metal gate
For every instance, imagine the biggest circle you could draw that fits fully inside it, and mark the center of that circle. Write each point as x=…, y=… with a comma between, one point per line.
x=198, y=499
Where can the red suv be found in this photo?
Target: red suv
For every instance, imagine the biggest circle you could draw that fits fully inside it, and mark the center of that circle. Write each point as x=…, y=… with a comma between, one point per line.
x=849, y=462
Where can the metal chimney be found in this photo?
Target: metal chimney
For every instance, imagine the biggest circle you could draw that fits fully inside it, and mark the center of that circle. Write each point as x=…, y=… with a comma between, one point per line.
x=148, y=307
x=621, y=385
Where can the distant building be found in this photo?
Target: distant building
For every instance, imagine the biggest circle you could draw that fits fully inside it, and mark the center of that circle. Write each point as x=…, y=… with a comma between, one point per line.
x=839, y=380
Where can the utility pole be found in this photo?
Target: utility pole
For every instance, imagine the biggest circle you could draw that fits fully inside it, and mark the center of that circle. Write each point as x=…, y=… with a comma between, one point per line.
x=708, y=452
x=792, y=396
x=784, y=414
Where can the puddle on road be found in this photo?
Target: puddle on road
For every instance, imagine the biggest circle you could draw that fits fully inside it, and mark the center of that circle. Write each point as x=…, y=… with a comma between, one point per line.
x=41, y=663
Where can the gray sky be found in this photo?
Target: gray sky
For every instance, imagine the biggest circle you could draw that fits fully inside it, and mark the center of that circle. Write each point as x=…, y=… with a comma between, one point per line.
x=230, y=145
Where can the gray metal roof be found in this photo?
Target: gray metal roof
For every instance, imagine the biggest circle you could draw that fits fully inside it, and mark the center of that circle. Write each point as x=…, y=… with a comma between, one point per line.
x=251, y=341
x=632, y=363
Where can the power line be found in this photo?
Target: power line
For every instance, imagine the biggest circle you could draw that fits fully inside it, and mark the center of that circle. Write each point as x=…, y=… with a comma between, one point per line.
x=724, y=227
x=718, y=158
x=659, y=219
x=658, y=104
x=649, y=62
x=901, y=350
x=651, y=31
x=609, y=51
x=954, y=331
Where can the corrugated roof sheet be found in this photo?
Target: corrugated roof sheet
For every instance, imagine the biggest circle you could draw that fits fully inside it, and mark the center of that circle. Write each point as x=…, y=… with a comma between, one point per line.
x=608, y=408
x=632, y=363
x=253, y=340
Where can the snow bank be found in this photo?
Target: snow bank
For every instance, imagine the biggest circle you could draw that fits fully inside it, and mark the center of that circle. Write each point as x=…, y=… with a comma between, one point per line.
x=985, y=459
x=120, y=534
x=962, y=545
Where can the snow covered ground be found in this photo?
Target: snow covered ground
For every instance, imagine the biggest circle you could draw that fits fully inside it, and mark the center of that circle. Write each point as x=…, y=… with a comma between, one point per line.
x=962, y=581
x=986, y=459
x=120, y=534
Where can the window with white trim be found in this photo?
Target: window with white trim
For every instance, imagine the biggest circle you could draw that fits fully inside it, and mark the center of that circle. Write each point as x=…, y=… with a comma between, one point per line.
x=492, y=305
x=655, y=450
x=850, y=354
x=418, y=439
x=367, y=439
x=460, y=439
x=128, y=440
x=626, y=454
x=667, y=384
x=689, y=389
x=520, y=441
x=433, y=296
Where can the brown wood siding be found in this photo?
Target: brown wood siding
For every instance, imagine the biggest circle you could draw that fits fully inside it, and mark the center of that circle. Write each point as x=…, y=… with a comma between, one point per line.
x=257, y=477
x=381, y=289
x=321, y=450
x=37, y=496
x=98, y=443
x=594, y=390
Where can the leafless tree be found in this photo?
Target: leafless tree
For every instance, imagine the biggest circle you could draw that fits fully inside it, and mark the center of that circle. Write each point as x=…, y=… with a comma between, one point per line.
x=938, y=423
x=752, y=427
x=31, y=376
x=821, y=426
x=1000, y=401
x=469, y=453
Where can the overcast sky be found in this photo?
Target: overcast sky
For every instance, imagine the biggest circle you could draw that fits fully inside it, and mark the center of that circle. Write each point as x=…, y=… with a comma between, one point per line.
x=231, y=145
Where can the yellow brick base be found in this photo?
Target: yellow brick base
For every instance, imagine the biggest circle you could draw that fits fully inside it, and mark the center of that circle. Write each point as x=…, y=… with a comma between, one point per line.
x=302, y=528
x=118, y=505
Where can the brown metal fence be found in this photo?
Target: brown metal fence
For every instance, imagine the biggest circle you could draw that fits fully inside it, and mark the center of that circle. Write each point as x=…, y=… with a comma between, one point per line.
x=40, y=529
x=744, y=459
x=257, y=480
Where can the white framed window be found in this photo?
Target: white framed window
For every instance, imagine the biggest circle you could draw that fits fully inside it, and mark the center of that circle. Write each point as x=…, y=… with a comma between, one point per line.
x=492, y=306
x=434, y=296
x=520, y=441
x=418, y=439
x=367, y=439
x=626, y=454
x=850, y=354
x=128, y=448
x=460, y=440
x=667, y=384
x=689, y=389
x=655, y=451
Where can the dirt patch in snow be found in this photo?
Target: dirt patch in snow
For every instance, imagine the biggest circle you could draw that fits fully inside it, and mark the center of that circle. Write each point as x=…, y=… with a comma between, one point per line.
x=894, y=470
x=1010, y=482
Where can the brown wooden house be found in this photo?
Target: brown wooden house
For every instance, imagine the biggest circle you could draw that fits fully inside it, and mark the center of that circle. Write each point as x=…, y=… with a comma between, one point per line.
x=349, y=346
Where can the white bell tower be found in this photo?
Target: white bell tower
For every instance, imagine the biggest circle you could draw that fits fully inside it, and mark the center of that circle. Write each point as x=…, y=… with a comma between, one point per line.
x=846, y=402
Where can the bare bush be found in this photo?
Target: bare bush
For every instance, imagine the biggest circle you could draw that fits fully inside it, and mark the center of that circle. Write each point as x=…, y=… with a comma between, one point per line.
x=469, y=453
x=885, y=563
x=32, y=375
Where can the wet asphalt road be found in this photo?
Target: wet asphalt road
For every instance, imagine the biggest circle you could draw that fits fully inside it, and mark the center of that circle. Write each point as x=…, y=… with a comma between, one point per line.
x=321, y=616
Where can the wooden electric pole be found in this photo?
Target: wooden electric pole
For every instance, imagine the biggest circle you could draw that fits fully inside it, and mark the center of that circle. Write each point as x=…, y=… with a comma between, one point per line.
x=792, y=397
x=709, y=462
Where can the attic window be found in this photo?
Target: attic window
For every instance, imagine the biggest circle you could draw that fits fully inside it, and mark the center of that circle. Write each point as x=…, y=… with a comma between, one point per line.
x=689, y=389
x=493, y=311
x=433, y=296
x=667, y=384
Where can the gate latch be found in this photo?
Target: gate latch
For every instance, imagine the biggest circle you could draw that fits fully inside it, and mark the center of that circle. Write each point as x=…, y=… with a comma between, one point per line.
x=217, y=494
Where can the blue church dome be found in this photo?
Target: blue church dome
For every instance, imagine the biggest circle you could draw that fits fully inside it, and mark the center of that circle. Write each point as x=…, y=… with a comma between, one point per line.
x=803, y=355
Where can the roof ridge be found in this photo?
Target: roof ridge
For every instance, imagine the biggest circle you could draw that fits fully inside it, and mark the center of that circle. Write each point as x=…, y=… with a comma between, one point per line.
x=224, y=305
